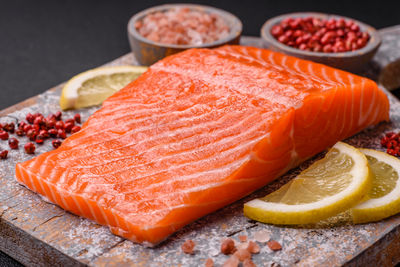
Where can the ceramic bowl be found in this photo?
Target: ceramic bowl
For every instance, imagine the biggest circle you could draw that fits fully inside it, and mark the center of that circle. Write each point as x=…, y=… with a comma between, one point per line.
x=148, y=52
x=353, y=61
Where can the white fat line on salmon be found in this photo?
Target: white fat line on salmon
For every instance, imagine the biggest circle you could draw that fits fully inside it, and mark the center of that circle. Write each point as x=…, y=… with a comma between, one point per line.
x=343, y=125
x=182, y=121
x=371, y=105
x=234, y=128
x=214, y=170
x=278, y=98
x=169, y=208
x=272, y=64
x=143, y=108
x=352, y=85
x=326, y=77
x=201, y=175
x=221, y=154
x=328, y=83
x=133, y=118
x=339, y=78
x=91, y=210
x=61, y=177
x=62, y=192
x=211, y=174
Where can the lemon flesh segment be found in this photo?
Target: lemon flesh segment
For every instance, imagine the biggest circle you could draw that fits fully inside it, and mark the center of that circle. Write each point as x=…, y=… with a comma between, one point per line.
x=384, y=196
x=92, y=87
x=329, y=186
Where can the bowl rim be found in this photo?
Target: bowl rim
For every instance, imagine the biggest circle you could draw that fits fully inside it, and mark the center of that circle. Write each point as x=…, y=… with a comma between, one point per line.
x=373, y=43
x=235, y=31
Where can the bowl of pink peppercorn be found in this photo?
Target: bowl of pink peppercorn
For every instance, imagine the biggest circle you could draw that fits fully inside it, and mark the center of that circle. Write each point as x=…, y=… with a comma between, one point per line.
x=332, y=40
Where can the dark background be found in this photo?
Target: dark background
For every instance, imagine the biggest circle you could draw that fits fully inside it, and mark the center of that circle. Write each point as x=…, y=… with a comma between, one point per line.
x=43, y=43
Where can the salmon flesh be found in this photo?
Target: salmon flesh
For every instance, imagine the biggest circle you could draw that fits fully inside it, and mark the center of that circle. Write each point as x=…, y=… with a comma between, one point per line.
x=196, y=132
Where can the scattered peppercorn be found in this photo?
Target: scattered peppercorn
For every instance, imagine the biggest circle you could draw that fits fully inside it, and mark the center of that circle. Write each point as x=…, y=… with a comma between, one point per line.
x=31, y=134
x=44, y=134
x=77, y=117
x=29, y=148
x=3, y=154
x=19, y=132
x=52, y=132
x=38, y=128
x=70, y=121
x=27, y=128
x=68, y=127
x=58, y=115
x=51, y=117
x=3, y=135
x=318, y=35
x=75, y=129
x=9, y=127
x=38, y=140
x=61, y=134
x=38, y=120
x=56, y=143
x=21, y=125
x=391, y=141
x=13, y=143
x=59, y=125
x=30, y=118
x=50, y=123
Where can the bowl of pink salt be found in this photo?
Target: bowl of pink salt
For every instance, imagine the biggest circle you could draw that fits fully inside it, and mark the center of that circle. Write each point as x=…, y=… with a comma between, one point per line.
x=164, y=30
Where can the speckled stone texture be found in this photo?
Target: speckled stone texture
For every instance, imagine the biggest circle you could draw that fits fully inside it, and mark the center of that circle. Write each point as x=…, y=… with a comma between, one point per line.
x=38, y=233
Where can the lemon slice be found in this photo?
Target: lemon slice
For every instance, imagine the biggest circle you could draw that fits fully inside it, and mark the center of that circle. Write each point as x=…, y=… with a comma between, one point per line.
x=92, y=87
x=385, y=192
x=329, y=186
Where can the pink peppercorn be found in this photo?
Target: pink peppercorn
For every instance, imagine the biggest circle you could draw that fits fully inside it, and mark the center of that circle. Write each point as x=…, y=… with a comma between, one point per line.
x=29, y=148
x=61, y=134
x=3, y=135
x=77, y=118
x=58, y=115
x=13, y=143
x=30, y=118
x=68, y=127
x=76, y=129
x=318, y=35
x=59, y=125
x=56, y=143
x=3, y=154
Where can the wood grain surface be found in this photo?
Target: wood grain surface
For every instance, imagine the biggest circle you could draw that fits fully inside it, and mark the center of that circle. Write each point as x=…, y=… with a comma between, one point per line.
x=38, y=233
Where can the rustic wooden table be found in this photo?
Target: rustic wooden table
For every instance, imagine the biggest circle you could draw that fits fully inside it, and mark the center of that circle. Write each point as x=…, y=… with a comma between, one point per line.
x=37, y=233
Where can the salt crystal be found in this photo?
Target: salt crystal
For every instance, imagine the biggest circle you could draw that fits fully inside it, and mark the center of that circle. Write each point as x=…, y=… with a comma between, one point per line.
x=262, y=236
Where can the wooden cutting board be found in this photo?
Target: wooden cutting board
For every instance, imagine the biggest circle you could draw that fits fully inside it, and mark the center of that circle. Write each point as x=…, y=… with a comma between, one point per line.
x=37, y=233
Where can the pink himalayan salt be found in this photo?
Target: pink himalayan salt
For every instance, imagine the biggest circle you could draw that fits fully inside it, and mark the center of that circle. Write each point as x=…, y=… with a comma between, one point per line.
x=182, y=26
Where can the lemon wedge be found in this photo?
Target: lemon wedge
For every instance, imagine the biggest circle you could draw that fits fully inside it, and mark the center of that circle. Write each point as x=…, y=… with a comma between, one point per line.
x=329, y=186
x=92, y=87
x=384, y=196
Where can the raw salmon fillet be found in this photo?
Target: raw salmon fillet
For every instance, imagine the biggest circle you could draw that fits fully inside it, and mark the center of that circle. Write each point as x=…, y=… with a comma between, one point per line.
x=197, y=131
